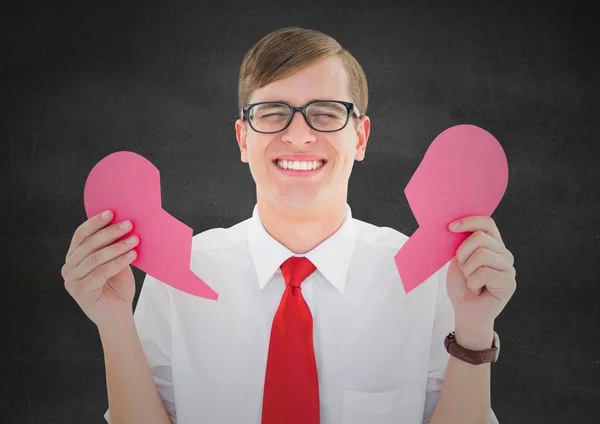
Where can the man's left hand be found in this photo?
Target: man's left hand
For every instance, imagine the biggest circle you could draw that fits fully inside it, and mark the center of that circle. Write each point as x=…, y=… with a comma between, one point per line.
x=481, y=280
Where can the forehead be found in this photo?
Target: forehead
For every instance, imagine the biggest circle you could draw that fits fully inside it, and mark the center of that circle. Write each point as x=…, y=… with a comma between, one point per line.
x=325, y=79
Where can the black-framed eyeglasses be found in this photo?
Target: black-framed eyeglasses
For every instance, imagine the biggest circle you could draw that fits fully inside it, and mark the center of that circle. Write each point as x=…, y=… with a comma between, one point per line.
x=320, y=115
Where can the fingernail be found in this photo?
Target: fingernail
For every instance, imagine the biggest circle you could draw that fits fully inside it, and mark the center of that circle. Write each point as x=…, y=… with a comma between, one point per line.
x=130, y=240
x=130, y=254
x=454, y=225
x=124, y=225
x=105, y=215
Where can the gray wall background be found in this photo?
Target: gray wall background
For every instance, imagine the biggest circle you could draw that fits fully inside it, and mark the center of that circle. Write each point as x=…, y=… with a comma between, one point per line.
x=84, y=79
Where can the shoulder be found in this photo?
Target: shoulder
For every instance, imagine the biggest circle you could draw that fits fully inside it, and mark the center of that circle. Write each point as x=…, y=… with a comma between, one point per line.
x=218, y=254
x=379, y=236
x=384, y=242
x=222, y=238
x=216, y=250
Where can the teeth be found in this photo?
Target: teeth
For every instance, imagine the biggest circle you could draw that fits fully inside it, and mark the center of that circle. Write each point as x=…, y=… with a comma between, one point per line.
x=300, y=166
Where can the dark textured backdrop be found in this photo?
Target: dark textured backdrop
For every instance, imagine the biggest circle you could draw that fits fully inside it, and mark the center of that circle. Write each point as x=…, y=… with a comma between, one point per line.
x=86, y=79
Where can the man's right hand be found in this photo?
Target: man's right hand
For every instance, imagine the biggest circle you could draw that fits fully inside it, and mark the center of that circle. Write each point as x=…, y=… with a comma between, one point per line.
x=97, y=273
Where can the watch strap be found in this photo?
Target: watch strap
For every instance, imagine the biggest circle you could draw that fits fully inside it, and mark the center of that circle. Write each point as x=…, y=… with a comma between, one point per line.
x=475, y=357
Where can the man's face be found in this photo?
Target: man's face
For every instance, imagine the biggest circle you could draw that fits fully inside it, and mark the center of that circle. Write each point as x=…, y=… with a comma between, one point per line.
x=321, y=188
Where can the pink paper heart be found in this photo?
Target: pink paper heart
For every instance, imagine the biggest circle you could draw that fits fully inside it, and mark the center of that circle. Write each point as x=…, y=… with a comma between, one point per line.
x=129, y=185
x=463, y=173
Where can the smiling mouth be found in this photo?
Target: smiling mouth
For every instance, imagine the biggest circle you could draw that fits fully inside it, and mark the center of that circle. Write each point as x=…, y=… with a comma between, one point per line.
x=289, y=165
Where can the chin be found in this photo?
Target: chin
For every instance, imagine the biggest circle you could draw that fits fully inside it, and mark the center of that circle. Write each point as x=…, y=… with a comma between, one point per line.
x=295, y=199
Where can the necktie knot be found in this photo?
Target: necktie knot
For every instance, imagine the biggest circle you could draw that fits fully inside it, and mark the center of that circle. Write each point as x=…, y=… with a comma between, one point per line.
x=296, y=269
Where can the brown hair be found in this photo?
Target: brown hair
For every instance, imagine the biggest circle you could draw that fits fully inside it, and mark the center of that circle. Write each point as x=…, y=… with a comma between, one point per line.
x=288, y=50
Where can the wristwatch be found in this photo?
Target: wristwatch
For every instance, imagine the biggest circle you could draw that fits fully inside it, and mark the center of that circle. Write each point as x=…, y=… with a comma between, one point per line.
x=475, y=357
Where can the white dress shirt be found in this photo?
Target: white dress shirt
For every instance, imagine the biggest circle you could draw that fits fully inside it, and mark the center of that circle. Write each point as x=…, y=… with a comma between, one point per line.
x=379, y=351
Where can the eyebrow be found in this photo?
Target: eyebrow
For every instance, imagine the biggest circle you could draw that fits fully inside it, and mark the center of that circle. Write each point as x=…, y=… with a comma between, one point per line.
x=288, y=102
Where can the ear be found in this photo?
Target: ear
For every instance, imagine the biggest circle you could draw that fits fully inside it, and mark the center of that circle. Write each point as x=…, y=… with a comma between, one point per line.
x=241, y=131
x=362, y=137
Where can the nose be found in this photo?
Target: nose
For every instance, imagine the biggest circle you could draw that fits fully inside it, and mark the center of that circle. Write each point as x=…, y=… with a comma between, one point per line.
x=298, y=131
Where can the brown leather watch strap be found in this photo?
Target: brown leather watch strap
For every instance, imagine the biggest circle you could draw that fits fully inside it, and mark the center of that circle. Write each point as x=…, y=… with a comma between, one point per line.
x=472, y=356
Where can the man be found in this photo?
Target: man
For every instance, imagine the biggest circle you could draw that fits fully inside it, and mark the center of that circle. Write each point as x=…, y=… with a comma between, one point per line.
x=312, y=324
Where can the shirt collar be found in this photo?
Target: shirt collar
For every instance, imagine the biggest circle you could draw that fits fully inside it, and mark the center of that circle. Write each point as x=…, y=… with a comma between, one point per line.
x=332, y=257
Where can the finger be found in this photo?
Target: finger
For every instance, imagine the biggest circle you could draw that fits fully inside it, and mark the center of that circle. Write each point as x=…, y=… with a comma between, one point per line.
x=97, y=241
x=475, y=223
x=103, y=256
x=475, y=241
x=483, y=257
x=494, y=281
x=89, y=227
x=477, y=281
x=96, y=279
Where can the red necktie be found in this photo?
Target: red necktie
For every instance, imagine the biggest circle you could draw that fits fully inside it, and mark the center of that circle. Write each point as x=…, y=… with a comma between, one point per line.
x=291, y=393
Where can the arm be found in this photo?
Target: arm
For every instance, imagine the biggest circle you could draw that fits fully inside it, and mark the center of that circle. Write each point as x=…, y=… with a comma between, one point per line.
x=465, y=394
x=132, y=394
x=138, y=361
x=480, y=280
x=451, y=376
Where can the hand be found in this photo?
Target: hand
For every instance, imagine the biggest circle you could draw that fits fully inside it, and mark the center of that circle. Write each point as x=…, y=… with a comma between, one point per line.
x=97, y=272
x=480, y=281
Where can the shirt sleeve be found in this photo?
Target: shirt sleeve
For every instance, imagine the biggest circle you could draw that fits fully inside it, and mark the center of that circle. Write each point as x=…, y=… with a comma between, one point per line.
x=443, y=323
x=152, y=321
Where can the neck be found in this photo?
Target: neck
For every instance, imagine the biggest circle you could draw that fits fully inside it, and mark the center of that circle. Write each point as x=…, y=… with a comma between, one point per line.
x=301, y=230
